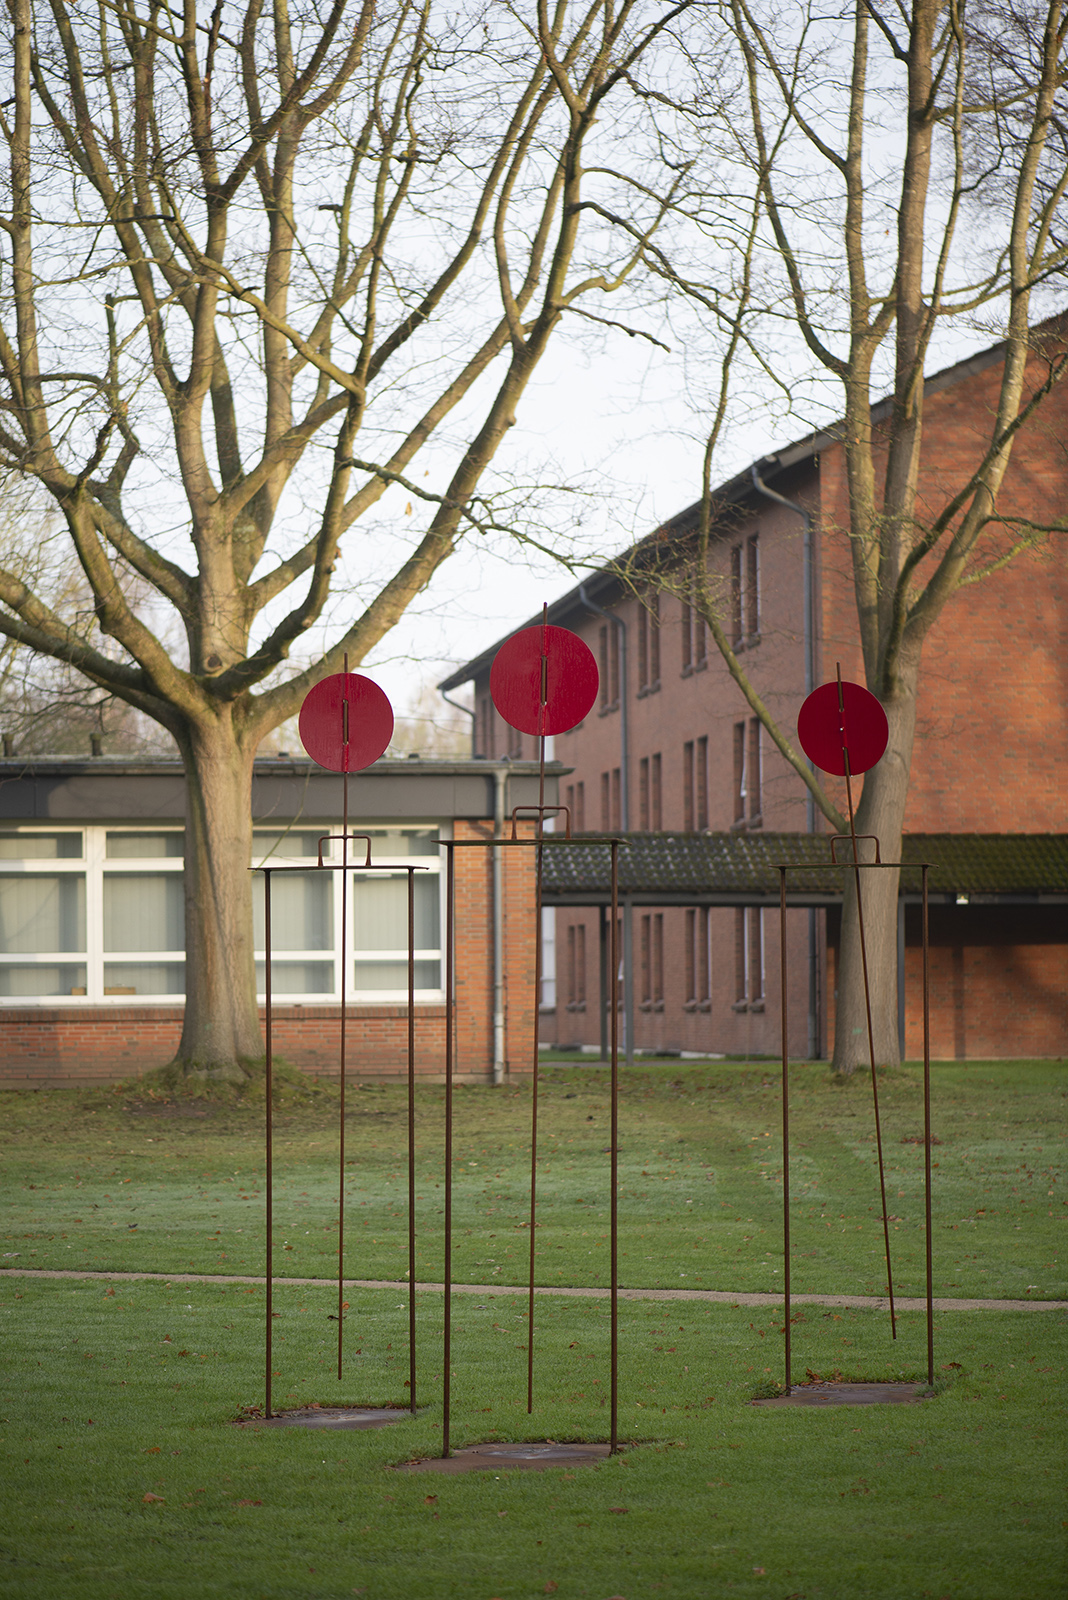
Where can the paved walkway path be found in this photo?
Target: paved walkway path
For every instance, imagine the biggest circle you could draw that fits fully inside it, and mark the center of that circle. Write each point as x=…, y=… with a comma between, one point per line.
x=859, y=1302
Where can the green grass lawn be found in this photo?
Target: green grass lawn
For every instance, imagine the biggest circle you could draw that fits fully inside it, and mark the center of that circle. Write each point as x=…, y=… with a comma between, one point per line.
x=111, y=1393
x=104, y=1182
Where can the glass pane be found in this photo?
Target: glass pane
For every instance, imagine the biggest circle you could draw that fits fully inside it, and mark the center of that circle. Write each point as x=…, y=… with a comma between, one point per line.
x=380, y=911
x=377, y=975
x=42, y=980
x=389, y=842
x=124, y=846
x=39, y=913
x=144, y=911
x=144, y=977
x=40, y=846
x=301, y=915
x=296, y=977
x=275, y=847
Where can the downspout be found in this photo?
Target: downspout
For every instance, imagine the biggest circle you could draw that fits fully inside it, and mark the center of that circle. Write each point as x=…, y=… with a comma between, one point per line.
x=624, y=819
x=809, y=610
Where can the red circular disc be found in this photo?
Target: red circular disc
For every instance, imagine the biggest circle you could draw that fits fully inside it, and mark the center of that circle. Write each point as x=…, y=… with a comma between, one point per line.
x=825, y=730
x=571, y=679
x=325, y=720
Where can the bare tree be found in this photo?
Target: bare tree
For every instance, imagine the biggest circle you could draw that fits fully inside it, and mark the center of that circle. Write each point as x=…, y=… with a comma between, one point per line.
x=907, y=172
x=258, y=260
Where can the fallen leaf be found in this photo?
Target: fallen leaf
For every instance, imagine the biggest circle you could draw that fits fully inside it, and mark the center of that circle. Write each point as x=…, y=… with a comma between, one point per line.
x=619, y=1511
x=430, y=1500
x=551, y=1587
x=759, y=1571
x=248, y=1502
x=146, y=1499
x=153, y=1450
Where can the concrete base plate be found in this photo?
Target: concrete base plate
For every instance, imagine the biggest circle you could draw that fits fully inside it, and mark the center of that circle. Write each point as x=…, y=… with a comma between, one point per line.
x=848, y=1394
x=506, y=1457
x=333, y=1417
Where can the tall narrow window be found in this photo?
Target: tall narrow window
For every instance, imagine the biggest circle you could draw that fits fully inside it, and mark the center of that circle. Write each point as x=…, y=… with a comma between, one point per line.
x=655, y=798
x=576, y=967
x=701, y=785
x=643, y=648
x=739, y=772
x=752, y=587
x=646, y=962
x=602, y=652
x=578, y=821
x=737, y=634
x=613, y=659
x=643, y=794
x=755, y=962
x=569, y=801
x=485, y=710
x=686, y=628
x=741, y=966
x=700, y=636
x=753, y=769
x=687, y=787
x=658, y=960
x=691, y=968
x=617, y=800
x=606, y=803
x=654, y=641
x=698, y=959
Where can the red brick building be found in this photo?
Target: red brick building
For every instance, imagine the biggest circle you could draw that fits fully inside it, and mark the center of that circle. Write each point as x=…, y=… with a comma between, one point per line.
x=92, y=936
x=673, y=748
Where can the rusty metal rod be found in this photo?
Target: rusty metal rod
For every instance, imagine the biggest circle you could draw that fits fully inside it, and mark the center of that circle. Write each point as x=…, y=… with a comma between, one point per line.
x=450, y=890
x=867, y=1008
x=614, y=1223
x=785, y=1130
x=344, y=977
x=269, y=1162
x=927, y=1128
x=411, y=1137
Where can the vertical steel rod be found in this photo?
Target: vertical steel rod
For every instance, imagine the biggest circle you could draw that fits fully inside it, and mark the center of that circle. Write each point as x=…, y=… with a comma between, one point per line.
x=867, y=1005
x=269, y=1162
x=927, y=1129
x=411, y=1137
x=344, y=977
x=450, y=888
x=543, y=695
x=614, y=1242
x=785, y=1130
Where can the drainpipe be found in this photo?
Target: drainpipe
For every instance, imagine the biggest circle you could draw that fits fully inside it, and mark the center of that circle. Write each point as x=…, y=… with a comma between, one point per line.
x=624, y=818
x=808, y=584
x=500, y=807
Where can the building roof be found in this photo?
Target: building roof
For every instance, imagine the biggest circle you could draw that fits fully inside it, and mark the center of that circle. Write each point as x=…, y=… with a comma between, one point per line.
x=742, y=868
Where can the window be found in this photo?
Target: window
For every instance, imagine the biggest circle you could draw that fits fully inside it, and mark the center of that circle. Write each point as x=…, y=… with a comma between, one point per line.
x=606, y=803
x=694, y=634
x=655, y=807
x=515, y=744
x=687, y=787
x=686, y=620
x=695, y=785
x=752, y=589
x=652, y=962
x=608, y=642
x=578, y=821
x=698, y=959
x=739, y=772
x=753, y=771
x=617, y=800
x=576, y=967
x=485, y=727
x=649, y=644
x=643, y=794
x=737, y=620
x=748, y=958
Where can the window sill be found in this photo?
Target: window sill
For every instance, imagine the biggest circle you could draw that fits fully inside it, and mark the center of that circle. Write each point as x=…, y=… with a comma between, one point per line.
x=740, y=1005
x=606, y=711
x=649, y=688
x=575, y=1005
x=756, y=1005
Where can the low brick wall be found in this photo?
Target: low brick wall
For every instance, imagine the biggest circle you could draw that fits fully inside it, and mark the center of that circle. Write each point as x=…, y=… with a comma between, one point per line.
x=66, y=1047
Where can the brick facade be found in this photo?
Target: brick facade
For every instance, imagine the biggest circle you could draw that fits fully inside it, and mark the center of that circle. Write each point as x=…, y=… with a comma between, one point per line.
x=991, y=750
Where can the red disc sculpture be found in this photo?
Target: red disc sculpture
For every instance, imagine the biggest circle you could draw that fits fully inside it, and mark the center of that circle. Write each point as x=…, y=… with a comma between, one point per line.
x=544, y=680
x=840, y=719
x=346, y=722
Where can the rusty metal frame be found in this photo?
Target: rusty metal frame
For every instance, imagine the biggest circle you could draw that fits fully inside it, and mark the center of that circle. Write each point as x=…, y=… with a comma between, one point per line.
x=539, y=842
x=344, y=866
x=857, y=867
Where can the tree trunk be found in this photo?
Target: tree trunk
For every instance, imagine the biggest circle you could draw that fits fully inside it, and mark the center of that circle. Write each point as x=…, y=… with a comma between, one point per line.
x=222, y=1024
x=881, y=812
